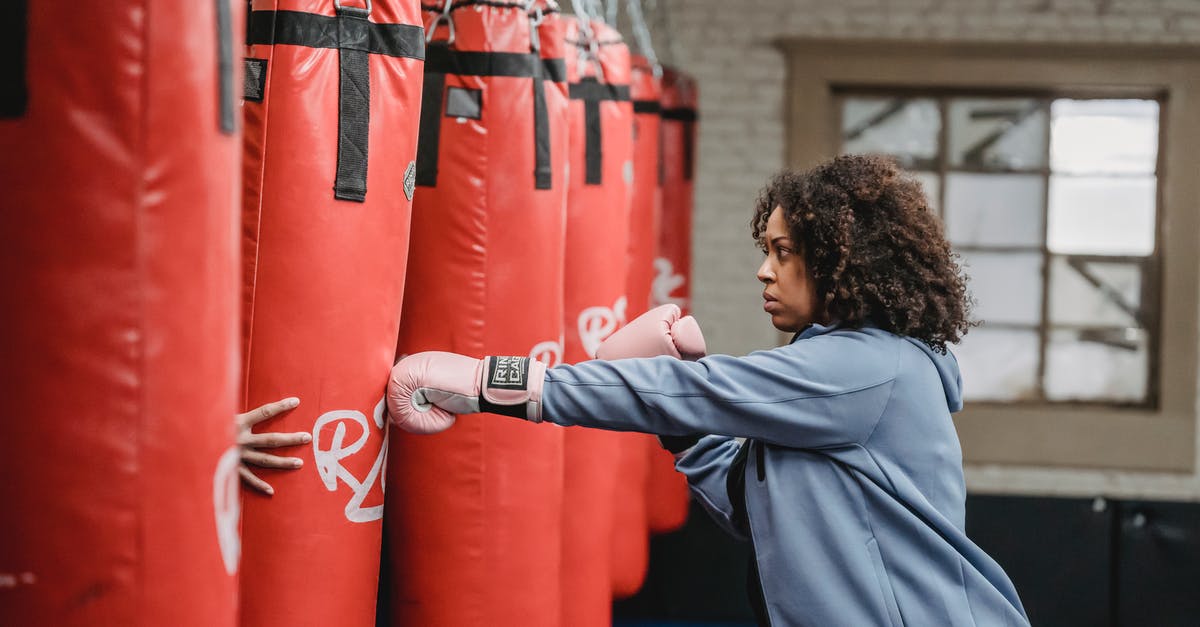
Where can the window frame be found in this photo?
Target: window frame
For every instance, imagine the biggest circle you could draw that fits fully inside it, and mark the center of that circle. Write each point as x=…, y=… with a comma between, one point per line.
x=1159, y=437
x=1150, y=265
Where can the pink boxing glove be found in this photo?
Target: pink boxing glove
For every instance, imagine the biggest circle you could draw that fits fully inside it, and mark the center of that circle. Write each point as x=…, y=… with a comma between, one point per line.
x=427, y=390
x=659, y=331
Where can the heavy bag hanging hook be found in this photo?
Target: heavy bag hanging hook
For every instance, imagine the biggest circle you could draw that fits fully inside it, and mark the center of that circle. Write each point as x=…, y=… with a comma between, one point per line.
x=589, y=48
x=337, y=4
x=536, y=17
x=442, y=18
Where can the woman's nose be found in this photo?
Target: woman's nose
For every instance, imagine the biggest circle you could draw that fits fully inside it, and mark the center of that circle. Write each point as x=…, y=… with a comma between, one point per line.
x=765, y=273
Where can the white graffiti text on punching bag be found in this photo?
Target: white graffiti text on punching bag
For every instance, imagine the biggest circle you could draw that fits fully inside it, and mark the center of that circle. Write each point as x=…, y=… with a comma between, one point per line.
x=328, y=456
x=666, y=280
x=597, y=323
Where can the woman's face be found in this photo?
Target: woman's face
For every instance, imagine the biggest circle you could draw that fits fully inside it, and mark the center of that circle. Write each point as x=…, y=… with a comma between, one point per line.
x=789, y=292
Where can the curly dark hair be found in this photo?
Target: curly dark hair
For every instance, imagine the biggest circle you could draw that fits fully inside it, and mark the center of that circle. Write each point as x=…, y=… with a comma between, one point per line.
x=876, y=252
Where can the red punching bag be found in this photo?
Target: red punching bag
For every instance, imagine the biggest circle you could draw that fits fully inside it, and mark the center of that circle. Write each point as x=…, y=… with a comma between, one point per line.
x=669, y=500
x=119, y=263
x=332, y=99
x=631, y=534
x=473, y=512
x=601, y=131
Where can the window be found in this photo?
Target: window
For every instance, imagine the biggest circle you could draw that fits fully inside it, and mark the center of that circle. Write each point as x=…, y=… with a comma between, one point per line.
x=1066, y=177
x=1052, y=204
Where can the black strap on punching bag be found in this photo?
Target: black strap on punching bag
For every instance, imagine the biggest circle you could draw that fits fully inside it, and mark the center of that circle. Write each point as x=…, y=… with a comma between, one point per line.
x=652, y=107
x=355, y=38
x=542, y=173
x=592, y=92
x=442, y=59
x=225, y=103
x=354, y=103
x=14, y=35
x=686, y=116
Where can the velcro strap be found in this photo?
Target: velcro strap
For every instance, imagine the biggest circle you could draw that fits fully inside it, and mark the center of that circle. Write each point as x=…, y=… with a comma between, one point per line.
x=506, y=373
x=505, y=388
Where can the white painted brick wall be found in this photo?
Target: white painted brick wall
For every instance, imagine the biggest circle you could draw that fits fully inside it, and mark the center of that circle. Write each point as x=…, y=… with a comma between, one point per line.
x=726, y=45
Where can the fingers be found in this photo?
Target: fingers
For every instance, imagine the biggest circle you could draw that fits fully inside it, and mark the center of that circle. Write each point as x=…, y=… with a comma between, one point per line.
x=253, y=481
x=270, y=410
x=263, y=460
x=273, y=440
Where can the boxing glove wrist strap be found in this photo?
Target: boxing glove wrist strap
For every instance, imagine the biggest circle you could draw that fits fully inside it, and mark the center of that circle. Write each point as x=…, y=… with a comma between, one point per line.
x=512, y=386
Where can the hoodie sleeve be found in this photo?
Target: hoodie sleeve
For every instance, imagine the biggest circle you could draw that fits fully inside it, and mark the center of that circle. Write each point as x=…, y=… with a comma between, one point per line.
x=824, y=391
x=706, y=466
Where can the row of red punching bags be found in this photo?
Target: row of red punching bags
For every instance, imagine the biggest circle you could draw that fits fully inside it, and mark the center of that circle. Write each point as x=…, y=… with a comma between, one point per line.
x=171, y=256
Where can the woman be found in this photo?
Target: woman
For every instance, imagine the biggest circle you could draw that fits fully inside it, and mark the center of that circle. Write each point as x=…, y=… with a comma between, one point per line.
x=849, y=483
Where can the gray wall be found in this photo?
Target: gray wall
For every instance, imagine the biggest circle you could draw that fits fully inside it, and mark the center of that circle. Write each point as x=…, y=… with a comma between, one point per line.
x=726, y=45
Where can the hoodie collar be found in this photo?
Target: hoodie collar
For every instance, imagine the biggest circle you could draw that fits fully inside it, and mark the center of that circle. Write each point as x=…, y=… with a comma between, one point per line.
x=814, y=329
x=945, y=363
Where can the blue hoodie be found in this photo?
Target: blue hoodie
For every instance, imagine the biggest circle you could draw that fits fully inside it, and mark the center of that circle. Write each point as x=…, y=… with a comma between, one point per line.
x=854, y=498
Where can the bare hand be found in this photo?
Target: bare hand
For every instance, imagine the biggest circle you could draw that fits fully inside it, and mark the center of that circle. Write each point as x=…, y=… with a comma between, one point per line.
x=251, y=442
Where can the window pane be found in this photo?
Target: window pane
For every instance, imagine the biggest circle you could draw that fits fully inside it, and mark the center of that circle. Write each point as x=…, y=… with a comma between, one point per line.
x=905, y=128
x=1007, y=286
x=1101, y=215
x=1107, y=365
x=998, y=364
x=997, y=133
x=995, y=209
x=930, y=182
x=1104, y=136
x=1095, y=293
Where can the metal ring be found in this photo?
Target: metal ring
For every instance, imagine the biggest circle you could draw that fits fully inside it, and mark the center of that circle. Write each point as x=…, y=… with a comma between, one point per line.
x=443, y=17
x=537, y=16
x=337, y=4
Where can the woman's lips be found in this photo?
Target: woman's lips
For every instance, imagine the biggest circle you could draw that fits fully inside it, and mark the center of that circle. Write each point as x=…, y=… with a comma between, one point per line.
x=769, y=303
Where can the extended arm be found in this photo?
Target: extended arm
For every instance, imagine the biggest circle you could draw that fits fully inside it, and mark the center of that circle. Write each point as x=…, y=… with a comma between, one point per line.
x=822, y=392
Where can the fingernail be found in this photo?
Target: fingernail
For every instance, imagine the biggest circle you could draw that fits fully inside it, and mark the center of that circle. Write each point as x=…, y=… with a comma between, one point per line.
x=293, y=401
x=271, y=491
x=296, y=463
x=306, y=438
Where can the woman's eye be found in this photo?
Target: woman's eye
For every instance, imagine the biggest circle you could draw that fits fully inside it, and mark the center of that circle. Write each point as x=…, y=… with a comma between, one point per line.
x=781, y=252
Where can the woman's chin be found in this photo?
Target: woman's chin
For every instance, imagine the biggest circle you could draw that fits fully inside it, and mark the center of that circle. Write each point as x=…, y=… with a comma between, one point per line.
x=784, y=324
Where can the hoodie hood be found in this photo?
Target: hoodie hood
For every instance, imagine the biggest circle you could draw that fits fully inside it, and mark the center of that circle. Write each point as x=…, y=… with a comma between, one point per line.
x=947, y=365
x=947, y=368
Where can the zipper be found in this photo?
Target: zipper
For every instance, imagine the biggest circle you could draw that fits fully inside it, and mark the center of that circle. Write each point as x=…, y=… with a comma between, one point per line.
x=761, y=472
x=759, y=467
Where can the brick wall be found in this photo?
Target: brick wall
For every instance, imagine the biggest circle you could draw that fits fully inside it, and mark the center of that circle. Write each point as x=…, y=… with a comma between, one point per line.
x=727, y=45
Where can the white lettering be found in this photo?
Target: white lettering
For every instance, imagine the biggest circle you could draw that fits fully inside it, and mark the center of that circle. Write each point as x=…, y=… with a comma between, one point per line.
x=227, y=508
x=328, y=460
x=597, y=323
x=549, y=353
x=665, y=282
